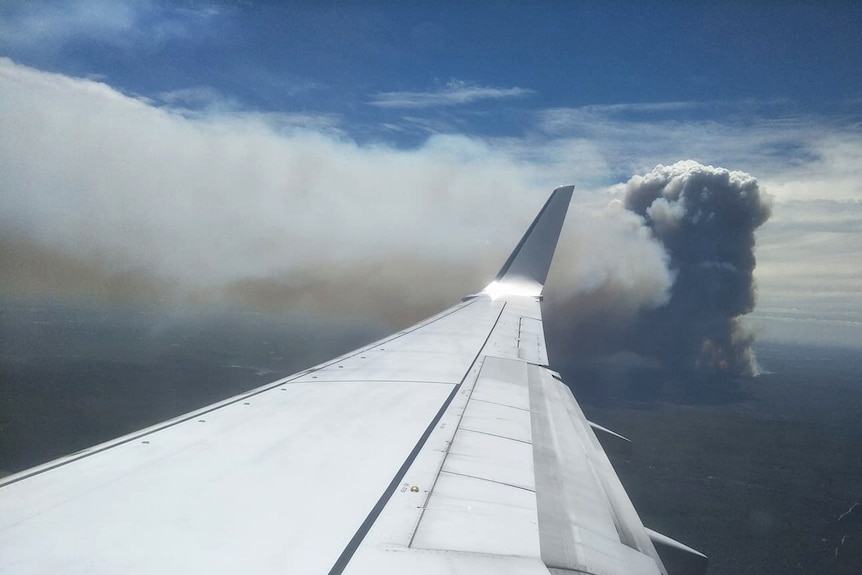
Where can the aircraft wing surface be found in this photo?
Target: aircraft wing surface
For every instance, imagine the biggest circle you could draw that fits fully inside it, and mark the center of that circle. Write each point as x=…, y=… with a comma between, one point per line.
x=449, y=447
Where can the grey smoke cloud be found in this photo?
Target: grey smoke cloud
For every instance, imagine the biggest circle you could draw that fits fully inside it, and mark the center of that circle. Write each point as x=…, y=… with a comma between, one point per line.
x=698, y=224
x=705, y=218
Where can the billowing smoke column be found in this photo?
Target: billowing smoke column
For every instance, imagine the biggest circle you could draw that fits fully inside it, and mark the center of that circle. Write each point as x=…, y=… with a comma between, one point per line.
x=705, y=218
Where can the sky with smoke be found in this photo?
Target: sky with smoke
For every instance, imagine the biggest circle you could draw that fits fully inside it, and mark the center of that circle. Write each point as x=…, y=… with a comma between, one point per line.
x=383, y=163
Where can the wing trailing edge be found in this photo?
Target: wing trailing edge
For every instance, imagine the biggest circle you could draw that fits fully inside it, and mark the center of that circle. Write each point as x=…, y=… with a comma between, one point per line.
x=526, y=269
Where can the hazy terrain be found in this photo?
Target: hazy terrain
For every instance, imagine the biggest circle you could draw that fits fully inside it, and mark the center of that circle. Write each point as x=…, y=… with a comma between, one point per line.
x=753, y=472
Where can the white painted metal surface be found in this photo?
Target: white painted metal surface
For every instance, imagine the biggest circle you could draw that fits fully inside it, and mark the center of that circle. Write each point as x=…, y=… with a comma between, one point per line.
x=446, y=448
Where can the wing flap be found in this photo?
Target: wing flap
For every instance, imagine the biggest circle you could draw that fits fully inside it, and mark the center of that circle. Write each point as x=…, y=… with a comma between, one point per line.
x=581, y=526
x=462, y=506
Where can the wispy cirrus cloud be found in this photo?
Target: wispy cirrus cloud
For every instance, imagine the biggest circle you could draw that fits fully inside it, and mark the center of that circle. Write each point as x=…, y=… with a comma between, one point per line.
x=194, y=97
x=801, y=155
x=455, y=93
x=42, y=25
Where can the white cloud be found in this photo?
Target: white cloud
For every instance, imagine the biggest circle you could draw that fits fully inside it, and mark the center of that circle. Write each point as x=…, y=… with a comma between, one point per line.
x=455, y=93
x=48, y=25
x=833, y=170
x=56, y=22
x=810, y=259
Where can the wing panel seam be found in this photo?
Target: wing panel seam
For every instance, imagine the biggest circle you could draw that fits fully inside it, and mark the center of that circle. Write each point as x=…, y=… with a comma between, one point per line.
x=495, y=435
x=355, y=541
x=488, y=480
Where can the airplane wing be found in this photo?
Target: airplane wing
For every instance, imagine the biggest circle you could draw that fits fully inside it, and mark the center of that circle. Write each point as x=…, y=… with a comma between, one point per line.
x=449, y=447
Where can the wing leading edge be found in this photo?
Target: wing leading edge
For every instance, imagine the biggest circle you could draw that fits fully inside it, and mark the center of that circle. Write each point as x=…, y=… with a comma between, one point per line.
x=448, y=447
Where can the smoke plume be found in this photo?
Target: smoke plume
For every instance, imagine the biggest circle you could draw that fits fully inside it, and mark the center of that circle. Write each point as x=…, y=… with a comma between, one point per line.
x=705, y=218
x=684, y=307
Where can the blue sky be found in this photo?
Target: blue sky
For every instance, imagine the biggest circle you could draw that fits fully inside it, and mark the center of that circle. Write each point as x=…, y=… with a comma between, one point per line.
x=124, y=108
x=482, y=67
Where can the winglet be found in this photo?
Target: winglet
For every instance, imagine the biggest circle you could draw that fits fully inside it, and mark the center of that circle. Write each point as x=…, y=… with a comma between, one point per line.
x=525, y=271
